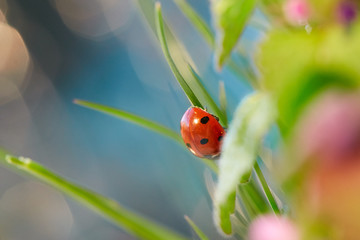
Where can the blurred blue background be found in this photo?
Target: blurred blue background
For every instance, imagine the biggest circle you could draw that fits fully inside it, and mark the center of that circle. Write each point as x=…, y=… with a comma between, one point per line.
x=102, y=51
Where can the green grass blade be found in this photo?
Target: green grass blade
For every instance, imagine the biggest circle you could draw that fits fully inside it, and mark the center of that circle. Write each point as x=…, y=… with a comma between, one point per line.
x=180, y=55
x=133, y=223
x=197, y=21
x=253, y=199
x=209, y=100
x=222, y=100
x=267, y=189
x=196, y=229
x=209, y=37
x=161, y=35
x=143, y=122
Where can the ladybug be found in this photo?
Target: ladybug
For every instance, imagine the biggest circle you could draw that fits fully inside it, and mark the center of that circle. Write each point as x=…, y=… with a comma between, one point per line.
x=202, y=133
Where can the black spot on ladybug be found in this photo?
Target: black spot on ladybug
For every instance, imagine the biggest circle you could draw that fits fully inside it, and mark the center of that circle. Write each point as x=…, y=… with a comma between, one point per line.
x=204, y=141
x=188, y=145
x=204, y=120
x=219, y=138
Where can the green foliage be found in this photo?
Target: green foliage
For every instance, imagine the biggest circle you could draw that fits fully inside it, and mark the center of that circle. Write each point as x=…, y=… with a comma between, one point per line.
x=209, y=100
x=185, y=83
x=325, y=59
x=266, y=189
x=143, y=122
x=222, y=99
x=253, y=200
x=223, y=212
x=230, y=17
x=196, y=229
x=238, y=70
x=161, y=35
x=252, y=120
x=197, y=21
x=133, y=223
x=175, y=53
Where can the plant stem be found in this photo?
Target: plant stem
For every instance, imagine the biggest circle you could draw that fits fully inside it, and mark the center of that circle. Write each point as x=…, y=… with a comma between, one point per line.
x=254, y=201
x=266, y=188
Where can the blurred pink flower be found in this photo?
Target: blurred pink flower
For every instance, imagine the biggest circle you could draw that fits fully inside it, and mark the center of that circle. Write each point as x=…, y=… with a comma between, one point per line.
x=297, y=12
x=347, y=11
x=330, y=129
x=328, y=137
x=272, y=227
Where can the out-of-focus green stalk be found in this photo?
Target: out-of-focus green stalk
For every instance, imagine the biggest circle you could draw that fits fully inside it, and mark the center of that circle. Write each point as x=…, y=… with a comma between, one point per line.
x=196, y=229
x=266, y=188
x=133, y=223
x=197, y=21
x=222, y=100
x=209, y=37
x=159, y=23
x=252, y=198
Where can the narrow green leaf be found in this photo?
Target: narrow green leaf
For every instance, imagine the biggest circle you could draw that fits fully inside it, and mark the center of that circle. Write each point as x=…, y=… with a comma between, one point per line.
x=181, y=58
x=209, y=36
x=143, y=122
x=161, y=35
x=230, y=17
x=252, y=120
x=133, y=223
x=209, y=100
x=179, y=54
x=223, y=212
x=196, y=229
x=253, y=199
x=267, y=189
x=222, y=99
x=146, y=7
x=135, y=119
x=197, y=21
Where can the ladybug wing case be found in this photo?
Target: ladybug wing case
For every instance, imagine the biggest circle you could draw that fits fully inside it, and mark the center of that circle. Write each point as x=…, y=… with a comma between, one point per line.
x=202, y=133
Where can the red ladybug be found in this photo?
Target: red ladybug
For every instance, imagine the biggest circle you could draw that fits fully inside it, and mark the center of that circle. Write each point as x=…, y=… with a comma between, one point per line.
x=202, y=133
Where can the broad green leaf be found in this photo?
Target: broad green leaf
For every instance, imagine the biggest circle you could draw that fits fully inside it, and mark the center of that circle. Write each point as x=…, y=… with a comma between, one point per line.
x=197, y=21
x=161, y=35
x=133, y=223
x=196, y=229
x=252, y=119
x=135, y=119
x=230, y=18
